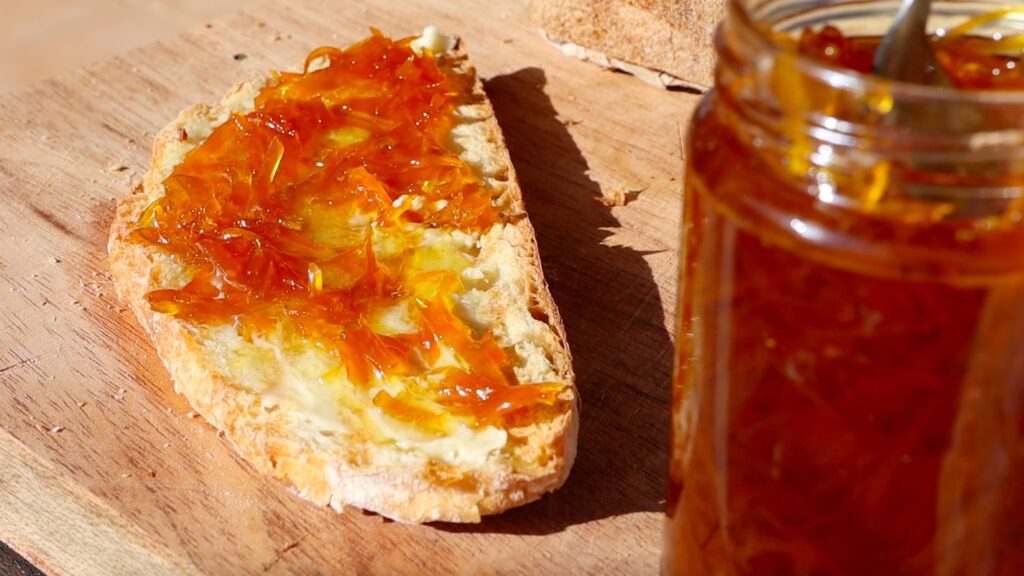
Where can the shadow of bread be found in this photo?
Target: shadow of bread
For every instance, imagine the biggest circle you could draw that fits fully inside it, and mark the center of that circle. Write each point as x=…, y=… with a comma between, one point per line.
x=611, y=307
x=11, y=564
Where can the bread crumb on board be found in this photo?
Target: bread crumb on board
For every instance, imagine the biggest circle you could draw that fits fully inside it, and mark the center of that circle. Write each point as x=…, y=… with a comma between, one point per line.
x=619, y=195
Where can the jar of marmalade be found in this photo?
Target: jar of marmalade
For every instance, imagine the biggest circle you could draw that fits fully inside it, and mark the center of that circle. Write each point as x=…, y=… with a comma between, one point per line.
x=849, y=392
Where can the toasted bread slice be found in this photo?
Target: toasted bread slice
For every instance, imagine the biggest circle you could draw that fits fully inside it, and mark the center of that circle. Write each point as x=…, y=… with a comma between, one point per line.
x=293, y=409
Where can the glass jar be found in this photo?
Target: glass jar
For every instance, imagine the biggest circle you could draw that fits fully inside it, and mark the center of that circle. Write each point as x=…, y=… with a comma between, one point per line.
x=849, y=392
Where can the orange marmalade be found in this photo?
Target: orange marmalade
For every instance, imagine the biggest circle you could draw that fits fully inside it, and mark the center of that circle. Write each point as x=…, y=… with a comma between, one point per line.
x=309, y=215
x=849, y=395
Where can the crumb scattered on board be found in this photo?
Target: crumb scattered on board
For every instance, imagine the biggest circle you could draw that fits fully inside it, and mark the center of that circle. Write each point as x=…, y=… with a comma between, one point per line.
x=619, y=195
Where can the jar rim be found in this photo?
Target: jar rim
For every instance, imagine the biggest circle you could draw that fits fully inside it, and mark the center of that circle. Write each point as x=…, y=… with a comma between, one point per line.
x=846, y=78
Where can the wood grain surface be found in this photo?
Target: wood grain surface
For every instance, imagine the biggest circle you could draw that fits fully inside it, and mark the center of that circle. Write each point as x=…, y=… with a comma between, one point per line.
x=41, y=39
x=104, y=471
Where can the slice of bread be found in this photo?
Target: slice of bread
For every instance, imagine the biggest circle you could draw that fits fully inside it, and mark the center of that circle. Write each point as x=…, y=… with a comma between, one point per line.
x=292, y=413
x=663, y=42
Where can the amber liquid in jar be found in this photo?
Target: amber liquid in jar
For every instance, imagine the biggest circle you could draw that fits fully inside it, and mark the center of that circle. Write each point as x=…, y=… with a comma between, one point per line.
x=847, y=399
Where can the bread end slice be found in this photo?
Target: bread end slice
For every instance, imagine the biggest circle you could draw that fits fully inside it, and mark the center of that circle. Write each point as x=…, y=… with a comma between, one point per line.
x=665, y=43
x=393, y=472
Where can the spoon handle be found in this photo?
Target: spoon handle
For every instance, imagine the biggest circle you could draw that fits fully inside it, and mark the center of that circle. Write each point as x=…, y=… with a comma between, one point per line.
x=905, y=52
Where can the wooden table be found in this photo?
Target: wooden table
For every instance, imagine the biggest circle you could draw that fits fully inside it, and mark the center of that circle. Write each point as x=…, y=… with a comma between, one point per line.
x=105, y=472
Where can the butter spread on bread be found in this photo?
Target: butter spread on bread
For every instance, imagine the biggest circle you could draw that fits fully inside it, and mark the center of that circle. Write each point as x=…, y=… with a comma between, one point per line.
x=337, y=270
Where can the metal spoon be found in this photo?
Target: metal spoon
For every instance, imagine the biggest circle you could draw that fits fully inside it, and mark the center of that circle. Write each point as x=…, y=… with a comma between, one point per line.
x=905, y=53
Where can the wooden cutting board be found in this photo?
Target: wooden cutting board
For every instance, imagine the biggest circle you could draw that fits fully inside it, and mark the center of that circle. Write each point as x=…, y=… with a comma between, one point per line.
x=103, y=469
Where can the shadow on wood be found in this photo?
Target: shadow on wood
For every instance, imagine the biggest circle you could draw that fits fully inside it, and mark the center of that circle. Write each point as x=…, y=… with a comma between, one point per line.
x=11, y=564
x=610, y=304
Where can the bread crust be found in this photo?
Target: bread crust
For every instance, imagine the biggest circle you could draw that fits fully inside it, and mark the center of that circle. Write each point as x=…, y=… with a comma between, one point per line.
x=537, y=457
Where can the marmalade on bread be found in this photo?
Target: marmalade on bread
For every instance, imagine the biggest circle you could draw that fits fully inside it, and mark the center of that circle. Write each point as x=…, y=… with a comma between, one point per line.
x=309, y=213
